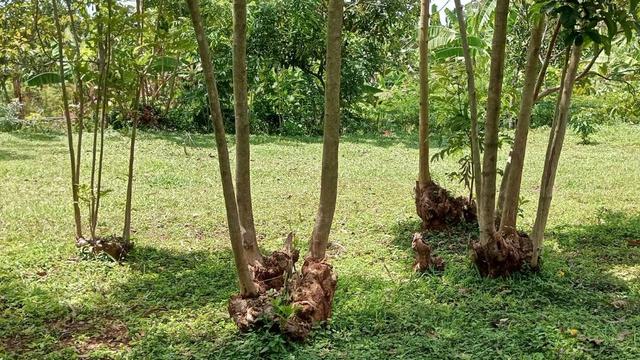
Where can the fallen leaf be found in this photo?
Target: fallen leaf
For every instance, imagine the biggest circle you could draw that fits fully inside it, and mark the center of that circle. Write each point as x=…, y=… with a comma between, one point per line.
x=573, y=332
x=596, y=341
x=619, y=304
x=622, y=335
x=633, y=242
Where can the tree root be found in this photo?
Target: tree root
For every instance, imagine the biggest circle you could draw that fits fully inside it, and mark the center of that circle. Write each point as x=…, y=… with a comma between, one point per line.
x=287, y=302
x=312, y=298
x=439, y=210
x=114, y=246
x=424, y=260
x=504, y=255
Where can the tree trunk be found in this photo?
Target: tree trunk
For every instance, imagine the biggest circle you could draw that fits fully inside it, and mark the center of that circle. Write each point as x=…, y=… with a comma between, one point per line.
x=514, y=176
x=67, y=116
x=488, y=195
x=103, y=118
x=126, y=231
x=473, y=102
x=547, y=59
x=424, y=176
x=243, y=154
x=247, y=287
x=7, y=98
x=554, y=149
x=329, y=177
x=80, y=89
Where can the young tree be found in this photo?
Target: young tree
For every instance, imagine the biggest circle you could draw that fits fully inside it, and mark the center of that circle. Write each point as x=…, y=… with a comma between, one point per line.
x=487, y=197
x=424, y=175
x=243, y=154
x=509, y=212
x=247, y=286
x=554, y=148
x=67, y=116
x=126, y=232
x=473, y=101
x=434, y=204
x=329, y=176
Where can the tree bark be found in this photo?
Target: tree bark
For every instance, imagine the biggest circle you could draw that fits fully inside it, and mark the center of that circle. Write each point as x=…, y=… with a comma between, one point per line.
x=243, y=152
x=473, y=102
x=556, y=140
x=424, y=175
x=488, y=195
x=103, y=116
x=126, y=231
x=67, y=116
x=329, y=177
x=514, y=176
x=247, y=286
x=80, y=89
x=547, y=59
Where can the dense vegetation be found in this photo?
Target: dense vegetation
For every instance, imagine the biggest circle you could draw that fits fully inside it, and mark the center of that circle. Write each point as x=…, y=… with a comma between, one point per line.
x=285, y=65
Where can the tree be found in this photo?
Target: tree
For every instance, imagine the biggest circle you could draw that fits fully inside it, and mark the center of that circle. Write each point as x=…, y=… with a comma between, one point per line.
x=424, y=175
x=243, y=154
x=434, y=205
x=247, y=286
x=126, y=232
x=473, y=100
x=329, y=176
x=514, y=176
x=67, y=116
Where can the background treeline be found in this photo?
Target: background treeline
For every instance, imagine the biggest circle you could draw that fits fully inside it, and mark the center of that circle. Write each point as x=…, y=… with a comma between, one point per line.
x=286, y=47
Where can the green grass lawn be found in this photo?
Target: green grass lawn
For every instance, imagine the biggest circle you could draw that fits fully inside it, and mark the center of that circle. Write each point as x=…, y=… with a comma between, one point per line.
x=169, y=299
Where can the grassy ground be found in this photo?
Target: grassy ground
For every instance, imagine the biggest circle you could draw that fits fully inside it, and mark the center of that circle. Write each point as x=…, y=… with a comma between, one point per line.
x=169, y=300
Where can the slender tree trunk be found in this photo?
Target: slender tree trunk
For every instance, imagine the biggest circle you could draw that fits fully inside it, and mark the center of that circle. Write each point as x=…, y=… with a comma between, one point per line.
x=17, y=93
x=514, y=179
x=100, y=97
x=488, y=195
x=247, y=287
x=556, y=140
x=329, y=177
x=126, y=231
x=7, y=98
x=243, y=155
x=473, y=103
x=424, y=175
x=80, y=86
x=103, y=117
x=547, y=59
x=67, y=115
x=503, y=187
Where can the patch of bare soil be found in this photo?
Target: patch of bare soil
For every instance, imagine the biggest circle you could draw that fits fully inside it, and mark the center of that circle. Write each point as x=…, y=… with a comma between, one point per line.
x=85, y=336
x=424, y=257
x=113, y=246
x=504, y=255
x=15, y=345
x=439, y=210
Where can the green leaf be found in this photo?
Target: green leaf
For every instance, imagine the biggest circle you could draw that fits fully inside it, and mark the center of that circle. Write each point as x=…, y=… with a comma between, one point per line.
x=165, y=63
x=46, y=78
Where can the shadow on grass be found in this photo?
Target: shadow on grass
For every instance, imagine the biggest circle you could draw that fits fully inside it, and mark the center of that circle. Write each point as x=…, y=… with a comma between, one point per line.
x=35, y=135
x=170, y=280
x=199, y=140
x=611, y=241
x=454, y=240
x=13, y=156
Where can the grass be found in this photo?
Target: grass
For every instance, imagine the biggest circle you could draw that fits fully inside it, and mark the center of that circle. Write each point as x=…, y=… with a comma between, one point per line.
x=168, y=301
